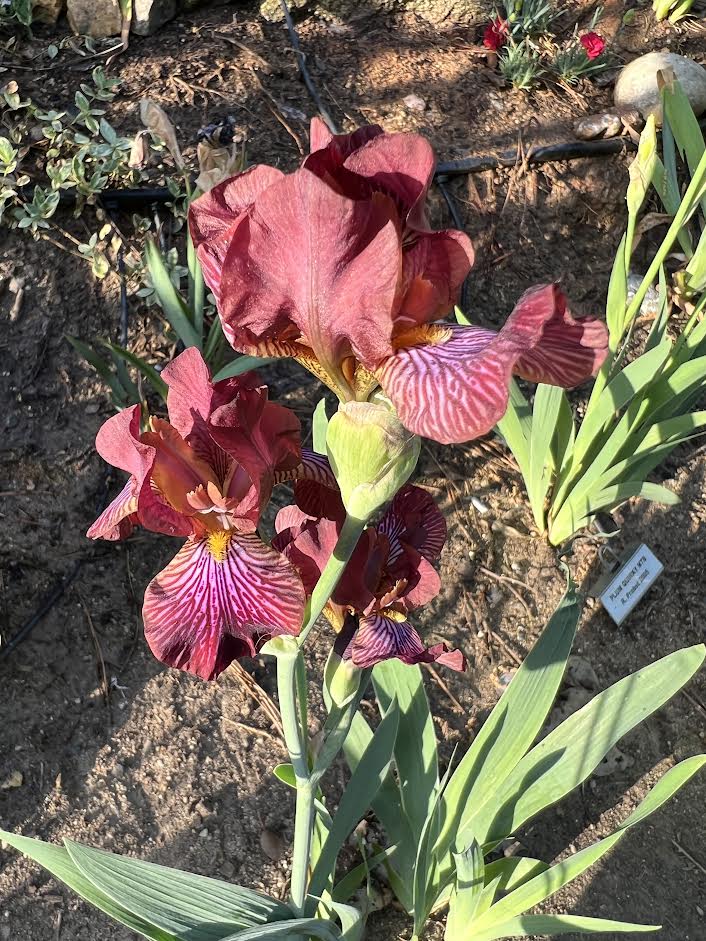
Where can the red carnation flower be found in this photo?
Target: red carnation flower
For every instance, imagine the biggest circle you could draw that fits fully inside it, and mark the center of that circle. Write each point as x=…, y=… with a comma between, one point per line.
x=593, y=44
x=495, y=34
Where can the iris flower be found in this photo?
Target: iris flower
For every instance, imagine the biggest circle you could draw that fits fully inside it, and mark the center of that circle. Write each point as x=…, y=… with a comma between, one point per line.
x=390, y=573
x=336, y=266
x=207, y=474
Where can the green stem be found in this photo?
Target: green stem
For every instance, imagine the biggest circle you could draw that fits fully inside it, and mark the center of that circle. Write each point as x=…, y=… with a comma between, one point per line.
x=303, y=834
x=295, y=737
x=347, y=541
x=196, y=287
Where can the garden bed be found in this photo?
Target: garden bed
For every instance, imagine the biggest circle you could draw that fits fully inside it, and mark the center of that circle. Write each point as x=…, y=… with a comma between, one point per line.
x=178, y=771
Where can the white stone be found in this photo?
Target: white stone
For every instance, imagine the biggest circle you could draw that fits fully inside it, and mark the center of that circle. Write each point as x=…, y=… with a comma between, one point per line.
x=636, y=86
x=149, y=15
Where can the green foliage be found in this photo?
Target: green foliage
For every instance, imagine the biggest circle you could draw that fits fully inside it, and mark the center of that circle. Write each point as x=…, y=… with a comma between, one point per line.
x=570, y=62
x=504, y=779
x=528, y=18
x=531, y=53
x=18, y=10
x=639, y=410
x=520, y=64
x=674, y=9
x=187, y=323
x=156, y=902
x=84, y=153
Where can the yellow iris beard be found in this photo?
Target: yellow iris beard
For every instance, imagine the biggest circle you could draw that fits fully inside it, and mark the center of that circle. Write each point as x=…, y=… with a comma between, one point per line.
x=217, y=544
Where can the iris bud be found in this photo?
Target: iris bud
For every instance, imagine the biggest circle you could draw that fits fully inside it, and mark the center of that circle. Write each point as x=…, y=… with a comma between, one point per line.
x=372, y=455
x=342, y=679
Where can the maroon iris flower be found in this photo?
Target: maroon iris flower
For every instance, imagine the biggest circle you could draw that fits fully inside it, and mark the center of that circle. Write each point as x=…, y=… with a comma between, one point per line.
x=207, y=474
x=390, y=573
x=336, y=266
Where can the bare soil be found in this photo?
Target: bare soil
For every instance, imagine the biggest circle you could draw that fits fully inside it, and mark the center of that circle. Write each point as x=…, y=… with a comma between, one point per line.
x=178, y=771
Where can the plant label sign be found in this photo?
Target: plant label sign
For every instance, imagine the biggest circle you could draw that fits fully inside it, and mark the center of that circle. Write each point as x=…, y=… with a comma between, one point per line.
x=631, y=582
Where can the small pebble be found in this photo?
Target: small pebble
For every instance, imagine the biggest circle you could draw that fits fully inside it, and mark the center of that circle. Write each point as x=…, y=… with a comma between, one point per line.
x=606, y=124
x=14, y=779
x=414, y=103
x=650, y=305
x=581, y=673
x=272, y=844
x=202, y=810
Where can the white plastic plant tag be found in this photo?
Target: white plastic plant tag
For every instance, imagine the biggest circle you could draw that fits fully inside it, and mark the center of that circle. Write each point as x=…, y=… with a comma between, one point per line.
x=630, y=583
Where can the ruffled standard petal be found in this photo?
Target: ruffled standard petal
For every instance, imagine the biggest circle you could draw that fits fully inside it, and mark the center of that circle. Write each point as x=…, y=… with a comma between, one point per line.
x=382, y=637
x=118, y=519
x=312, y=263
x=400, y=165
x=215, y=598
x=434, y=268
x=340, y=145
x=192, y=398
x=261, y=437
x=118, y=443
x=455, y=386
x=330, y=151
x=214, y=217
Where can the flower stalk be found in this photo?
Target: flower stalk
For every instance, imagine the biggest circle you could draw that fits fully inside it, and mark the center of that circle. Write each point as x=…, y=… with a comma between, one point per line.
x=334, y=568
x=289, y=668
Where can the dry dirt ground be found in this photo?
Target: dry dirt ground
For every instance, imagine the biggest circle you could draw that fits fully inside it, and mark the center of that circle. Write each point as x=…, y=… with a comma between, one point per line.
x=179, y=771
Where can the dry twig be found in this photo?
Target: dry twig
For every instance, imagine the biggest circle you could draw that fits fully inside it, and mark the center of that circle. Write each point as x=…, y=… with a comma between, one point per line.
x=105, y=686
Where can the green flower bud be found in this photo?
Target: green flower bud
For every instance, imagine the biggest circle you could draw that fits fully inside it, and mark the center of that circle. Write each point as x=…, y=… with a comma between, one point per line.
x=372, y=455
x=341, y=679
x=643, y=167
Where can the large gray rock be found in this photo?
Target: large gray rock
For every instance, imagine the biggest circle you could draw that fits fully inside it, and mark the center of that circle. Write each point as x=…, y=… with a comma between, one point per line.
x=465, y=12
x=272, y=9
x=149, y=15
x=97, y=18
x=47, y=11
x=449, y=12
x=636, y=86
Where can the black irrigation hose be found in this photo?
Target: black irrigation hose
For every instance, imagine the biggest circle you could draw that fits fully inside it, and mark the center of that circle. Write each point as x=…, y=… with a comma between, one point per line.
x=127, y=200
x=44, y=608
x=570, y=150
x=301, y=59
x=61, y=585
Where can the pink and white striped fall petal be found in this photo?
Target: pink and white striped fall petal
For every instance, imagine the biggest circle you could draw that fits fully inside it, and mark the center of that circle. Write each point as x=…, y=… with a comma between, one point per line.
x=218, y=596
x=455, y=387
